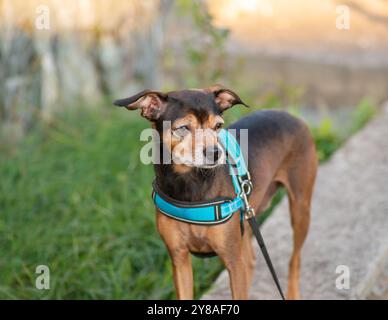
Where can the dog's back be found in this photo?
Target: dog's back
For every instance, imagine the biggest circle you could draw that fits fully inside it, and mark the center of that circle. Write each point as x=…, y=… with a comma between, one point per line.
x=267, y=126
x=272, y=130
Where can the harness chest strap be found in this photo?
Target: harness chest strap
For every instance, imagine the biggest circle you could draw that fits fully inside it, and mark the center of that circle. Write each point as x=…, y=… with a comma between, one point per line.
x=212, y=212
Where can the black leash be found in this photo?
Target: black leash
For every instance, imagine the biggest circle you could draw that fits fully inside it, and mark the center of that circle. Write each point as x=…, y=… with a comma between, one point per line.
x=246, y=187
x=260, y=241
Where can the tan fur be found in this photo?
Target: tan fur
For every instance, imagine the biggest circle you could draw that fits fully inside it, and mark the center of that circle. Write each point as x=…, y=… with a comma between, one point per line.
x=200, y=137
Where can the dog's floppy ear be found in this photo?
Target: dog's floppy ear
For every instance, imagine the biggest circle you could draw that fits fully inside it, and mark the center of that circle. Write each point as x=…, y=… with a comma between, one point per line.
x=152, y=103
x=224, y=97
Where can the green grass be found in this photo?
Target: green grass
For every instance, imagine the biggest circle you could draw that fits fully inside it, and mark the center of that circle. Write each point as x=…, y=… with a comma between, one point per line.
x=328, y=138
x=74, y=196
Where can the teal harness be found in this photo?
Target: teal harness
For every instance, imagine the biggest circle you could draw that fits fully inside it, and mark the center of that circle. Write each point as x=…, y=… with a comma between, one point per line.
x=218, y=210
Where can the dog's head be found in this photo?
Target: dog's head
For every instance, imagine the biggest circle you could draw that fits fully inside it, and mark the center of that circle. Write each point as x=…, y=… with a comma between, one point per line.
x=188, y=122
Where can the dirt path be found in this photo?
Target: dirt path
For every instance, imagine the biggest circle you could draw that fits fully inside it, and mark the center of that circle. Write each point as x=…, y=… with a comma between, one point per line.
x=349, y=226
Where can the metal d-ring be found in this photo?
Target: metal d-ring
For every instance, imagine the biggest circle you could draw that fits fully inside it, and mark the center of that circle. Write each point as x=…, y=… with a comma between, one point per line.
x=246, y=187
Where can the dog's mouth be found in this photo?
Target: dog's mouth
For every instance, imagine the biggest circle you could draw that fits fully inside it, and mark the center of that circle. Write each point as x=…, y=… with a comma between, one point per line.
x=206, y=164
x=201, y=166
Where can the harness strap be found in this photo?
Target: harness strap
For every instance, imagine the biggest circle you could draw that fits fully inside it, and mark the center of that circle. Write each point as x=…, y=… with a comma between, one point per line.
x=240, y=173
x=217, y=211
x=235, y=157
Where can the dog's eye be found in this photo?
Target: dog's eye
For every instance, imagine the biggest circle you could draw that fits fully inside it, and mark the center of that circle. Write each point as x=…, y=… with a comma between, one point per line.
x=181, y=131
x=218, y=126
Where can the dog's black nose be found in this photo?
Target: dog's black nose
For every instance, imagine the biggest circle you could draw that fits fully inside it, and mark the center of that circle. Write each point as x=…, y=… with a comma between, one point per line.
x=212, y=154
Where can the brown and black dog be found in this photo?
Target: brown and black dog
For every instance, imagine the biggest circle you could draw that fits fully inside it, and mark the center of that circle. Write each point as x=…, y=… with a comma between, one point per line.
x=281, y=153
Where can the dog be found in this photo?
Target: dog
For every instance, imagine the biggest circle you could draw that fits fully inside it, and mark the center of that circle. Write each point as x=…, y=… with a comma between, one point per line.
x=281, y=152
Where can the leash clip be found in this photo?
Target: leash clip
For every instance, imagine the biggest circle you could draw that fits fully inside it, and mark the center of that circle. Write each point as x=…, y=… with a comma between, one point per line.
x=246, y=189
x=249, y=213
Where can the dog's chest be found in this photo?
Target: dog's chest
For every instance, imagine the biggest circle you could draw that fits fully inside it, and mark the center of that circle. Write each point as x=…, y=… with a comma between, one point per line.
x=198, y=239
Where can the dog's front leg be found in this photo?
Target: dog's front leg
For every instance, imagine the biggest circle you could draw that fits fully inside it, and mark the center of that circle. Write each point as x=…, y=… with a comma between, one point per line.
x=236, y=266
x=171, y=234
x=183, y=274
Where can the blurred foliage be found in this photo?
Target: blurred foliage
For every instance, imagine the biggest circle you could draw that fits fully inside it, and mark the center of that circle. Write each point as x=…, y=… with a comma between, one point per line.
x=328, y=138
x=75, y=196
x=362, y=114
x=205, y=55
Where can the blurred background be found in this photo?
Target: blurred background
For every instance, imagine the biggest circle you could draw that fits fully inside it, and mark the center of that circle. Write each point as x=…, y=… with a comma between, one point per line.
x=73, y=193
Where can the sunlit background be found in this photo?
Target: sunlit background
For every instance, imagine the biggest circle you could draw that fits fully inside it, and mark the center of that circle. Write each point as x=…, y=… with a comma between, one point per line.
x=118, y=47
x=301, y=25
x=70, y=173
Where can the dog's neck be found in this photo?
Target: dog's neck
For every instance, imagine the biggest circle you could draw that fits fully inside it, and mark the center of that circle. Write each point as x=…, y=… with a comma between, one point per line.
x=194, y=185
